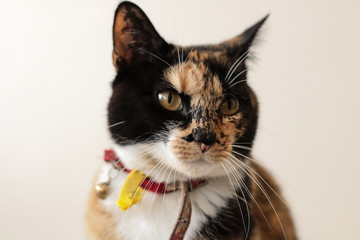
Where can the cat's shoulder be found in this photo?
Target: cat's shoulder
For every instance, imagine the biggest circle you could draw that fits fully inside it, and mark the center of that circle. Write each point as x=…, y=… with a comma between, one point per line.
x=270, y=212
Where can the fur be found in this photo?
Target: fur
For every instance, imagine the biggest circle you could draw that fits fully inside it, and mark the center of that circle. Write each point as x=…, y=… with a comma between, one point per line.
x=196, y=141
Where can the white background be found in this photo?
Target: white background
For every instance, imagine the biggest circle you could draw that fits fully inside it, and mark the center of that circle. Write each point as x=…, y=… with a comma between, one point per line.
x=55, y=74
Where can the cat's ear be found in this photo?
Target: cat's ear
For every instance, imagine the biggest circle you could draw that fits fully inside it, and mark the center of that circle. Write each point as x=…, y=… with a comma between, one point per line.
x=240, y=44
x=133, y=36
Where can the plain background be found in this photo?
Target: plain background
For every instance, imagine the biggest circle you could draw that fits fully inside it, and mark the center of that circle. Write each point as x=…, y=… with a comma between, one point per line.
x=55, y=74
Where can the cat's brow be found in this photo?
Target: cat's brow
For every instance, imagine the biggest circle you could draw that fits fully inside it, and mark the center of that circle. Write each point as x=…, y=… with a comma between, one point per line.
x=145, y=51
x=167, y=85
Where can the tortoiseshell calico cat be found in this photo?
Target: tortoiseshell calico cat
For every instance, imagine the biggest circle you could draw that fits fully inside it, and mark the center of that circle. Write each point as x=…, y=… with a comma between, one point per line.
x=184, y=114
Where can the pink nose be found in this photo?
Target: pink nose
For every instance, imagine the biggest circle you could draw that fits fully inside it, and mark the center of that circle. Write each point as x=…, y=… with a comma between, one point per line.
x=204, y=147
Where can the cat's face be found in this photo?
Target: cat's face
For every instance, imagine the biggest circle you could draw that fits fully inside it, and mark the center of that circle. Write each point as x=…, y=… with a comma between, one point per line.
x=186, y=108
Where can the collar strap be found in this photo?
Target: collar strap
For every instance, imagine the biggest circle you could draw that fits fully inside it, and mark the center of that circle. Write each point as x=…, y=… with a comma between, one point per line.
x=147, y=184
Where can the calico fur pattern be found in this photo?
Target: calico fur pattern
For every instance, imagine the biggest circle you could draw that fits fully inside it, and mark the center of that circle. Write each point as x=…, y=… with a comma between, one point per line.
x=240, y=200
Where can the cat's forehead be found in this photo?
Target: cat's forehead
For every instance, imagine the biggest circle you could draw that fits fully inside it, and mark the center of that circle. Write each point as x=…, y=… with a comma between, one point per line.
x=193, y=78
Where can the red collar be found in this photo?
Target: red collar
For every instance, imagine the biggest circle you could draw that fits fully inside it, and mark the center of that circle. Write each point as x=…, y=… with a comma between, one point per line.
x=147, y=184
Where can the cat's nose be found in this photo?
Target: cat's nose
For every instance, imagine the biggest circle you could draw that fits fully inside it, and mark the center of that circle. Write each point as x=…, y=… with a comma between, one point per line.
x=205, y=138
x=204, y=147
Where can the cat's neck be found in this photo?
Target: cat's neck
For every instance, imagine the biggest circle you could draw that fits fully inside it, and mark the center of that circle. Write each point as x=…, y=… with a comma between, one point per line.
x=207, y=202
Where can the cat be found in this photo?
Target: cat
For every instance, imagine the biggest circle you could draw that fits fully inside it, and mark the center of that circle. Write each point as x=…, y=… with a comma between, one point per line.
x=183, y=115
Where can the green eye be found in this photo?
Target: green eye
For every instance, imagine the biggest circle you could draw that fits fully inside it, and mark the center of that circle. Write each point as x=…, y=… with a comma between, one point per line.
x=170, y=100
x=229, y=106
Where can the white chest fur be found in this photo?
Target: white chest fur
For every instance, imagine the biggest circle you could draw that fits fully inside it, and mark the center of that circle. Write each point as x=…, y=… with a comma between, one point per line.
x=154, y=217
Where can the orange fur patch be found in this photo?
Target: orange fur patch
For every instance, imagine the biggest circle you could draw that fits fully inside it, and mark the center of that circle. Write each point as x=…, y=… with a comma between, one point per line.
x=206, y=92
x=262, y=230
x=99, y=222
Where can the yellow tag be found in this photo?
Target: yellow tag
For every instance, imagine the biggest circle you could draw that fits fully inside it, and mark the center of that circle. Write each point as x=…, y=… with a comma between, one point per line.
x=131, y=192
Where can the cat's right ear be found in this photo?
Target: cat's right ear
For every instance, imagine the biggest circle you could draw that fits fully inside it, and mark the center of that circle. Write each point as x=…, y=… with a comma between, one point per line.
x=239, y=45
x=133, y=36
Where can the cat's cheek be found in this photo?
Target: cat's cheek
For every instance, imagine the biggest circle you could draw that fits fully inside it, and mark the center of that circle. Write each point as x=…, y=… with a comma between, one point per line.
x=184, y=151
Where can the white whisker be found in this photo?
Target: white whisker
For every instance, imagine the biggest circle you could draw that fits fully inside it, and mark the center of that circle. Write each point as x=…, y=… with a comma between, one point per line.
x=232, y=68
x=248, y=191
x=253, y=170
x=232, y=80
x=247, y=231
x=163, y=198
x=137, y=190
x=267, y=197
x=234, y=192
x=179, y=61
x=115, y=124
x=143, y=50
x=242, y=147
x=189, y=54
x=244, y=80
x=182, y=59
x=155, y=193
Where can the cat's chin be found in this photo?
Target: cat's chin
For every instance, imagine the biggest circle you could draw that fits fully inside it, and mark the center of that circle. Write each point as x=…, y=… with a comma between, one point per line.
x=197, y=162
x=200, y=168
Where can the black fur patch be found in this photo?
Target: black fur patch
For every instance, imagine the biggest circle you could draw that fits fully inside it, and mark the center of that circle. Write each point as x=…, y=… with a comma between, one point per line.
x=134, y=100
x=231, y=221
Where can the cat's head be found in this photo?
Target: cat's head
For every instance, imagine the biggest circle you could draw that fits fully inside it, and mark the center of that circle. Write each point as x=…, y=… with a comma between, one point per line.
x=188, y=109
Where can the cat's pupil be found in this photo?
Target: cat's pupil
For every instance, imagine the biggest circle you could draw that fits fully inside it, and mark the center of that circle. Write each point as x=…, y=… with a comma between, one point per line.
x=229, y=102
x=170, y=97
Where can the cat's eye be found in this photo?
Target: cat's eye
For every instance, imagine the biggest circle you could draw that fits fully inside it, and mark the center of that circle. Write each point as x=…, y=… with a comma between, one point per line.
x=170, y=100
x=229, y=106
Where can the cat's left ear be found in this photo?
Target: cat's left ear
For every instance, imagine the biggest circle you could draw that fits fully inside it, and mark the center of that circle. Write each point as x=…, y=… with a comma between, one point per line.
x=134, y=36
x=240, y=44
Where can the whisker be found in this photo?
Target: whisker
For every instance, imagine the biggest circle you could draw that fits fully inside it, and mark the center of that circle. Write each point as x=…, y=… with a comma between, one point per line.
x=147, y=184
x=155, y=194
x=246, y=157
x=115, y=124
x=178, y=53
x=232, y=80
x=182, y=59
x=248, y=191
x=189, y=54
x=148, y=160
x=137, y=190
x=252, y=171
x=175, y=192
x=251, y=177
x=115, y=185
x=267, y=184
x=242, y=147
x=267, y=197
x=134, y=31
x=182, y=54
x=234, y=192
x=273, y=207
x=143, y=50
x=163, y=198
x=244, y=80
x=232, y=68
x=246, y=204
